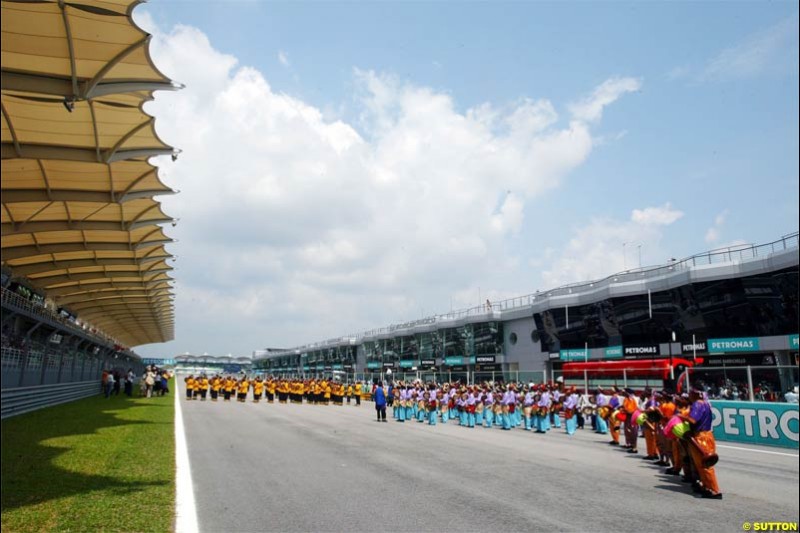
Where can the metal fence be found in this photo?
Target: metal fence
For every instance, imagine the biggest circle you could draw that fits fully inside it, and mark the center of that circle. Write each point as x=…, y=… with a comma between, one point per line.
x=36, y=366
x=743, y=383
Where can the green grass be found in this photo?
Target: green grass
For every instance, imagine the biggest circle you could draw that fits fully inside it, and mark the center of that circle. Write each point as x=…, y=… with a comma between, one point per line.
x=92, y=465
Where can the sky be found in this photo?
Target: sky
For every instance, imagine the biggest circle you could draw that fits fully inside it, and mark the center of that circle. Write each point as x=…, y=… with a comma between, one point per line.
x=346, y=166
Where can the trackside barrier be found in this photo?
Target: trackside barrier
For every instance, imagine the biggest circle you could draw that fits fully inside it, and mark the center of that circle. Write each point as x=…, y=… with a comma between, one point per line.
x=766, y=423
x=21, y=400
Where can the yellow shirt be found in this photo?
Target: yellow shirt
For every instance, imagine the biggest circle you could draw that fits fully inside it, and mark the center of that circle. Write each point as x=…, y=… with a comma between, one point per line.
x=258, y=387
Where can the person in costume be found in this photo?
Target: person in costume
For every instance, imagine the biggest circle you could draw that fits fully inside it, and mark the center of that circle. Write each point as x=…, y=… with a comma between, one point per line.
x=603, y=410
x=544, y=405
x=242, y=388
x=477, y=393
x=472, y=408
x=488, y=407
x=270, y=387
x=666, y=408
x=189, y=381
x=570, y=411
x=258, y=389
x=434, y=400
x=227, y=388
x=509, y=403
x=216, y=384
x=614, y=404
x=702, y=443
x=629, y=406
x=555, y=409
x=648, y=428
x=527, y=407
x=327, y=393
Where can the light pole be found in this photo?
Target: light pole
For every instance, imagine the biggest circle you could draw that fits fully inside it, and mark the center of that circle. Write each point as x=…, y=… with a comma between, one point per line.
x=624, y=259
x=671, y=368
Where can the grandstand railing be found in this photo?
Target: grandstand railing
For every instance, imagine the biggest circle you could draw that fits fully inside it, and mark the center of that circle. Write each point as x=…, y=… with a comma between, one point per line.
x=35, y=365
x=494, y=310
x=16, y=302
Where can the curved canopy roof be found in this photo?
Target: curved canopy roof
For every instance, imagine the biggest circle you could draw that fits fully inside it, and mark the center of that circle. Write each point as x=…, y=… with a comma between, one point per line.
x=79, y=221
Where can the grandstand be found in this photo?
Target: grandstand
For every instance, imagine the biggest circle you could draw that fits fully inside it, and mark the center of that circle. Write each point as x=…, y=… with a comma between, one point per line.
x=732, y=312
x=85, y=269
x=209, y=364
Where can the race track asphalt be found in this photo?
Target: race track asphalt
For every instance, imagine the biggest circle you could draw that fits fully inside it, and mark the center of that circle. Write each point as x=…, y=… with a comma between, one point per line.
x=284, y=467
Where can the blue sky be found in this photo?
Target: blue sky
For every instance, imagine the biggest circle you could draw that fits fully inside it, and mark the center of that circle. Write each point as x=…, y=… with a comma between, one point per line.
x=685, y=113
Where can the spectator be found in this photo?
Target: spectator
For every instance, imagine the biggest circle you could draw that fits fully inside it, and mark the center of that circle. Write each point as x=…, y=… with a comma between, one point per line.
x=380, y=402
x=164, y=383
x=129, y=377
x=109, y=384
x=104, y=382
x=150, y=380
x=156, y=381
x=791, y=396
x=117, y=382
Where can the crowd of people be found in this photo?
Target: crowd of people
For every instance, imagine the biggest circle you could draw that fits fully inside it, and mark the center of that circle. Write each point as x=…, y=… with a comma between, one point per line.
x=314, y=391
x=676, y=427
x=154, y=381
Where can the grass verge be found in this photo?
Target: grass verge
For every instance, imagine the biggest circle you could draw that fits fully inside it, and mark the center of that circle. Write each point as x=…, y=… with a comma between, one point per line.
x=92, y=465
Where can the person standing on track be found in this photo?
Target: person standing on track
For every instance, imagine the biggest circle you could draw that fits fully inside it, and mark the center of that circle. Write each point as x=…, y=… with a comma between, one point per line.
x=703, y=442
x=570, y=411
x=216, y=383
x=629, y=405
x=242, y=388
x=189, y=381
x=203, y=384
x=600, y=400
x=258, y=389
x=380, y=402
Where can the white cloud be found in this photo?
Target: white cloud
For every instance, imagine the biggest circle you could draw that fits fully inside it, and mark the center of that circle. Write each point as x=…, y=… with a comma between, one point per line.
x=590, y=108
x=606, y=246
x=659, y=216
x=772, y=49
x=283, y=58
x=714, y=232
x=296, y=227
x=679, y=72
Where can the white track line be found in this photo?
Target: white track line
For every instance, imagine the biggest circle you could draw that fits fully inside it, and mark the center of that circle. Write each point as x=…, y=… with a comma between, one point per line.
x=185, y=511
x=757, y=451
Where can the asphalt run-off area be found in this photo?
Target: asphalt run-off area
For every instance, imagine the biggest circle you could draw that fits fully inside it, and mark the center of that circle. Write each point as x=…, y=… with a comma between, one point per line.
x=286, y=467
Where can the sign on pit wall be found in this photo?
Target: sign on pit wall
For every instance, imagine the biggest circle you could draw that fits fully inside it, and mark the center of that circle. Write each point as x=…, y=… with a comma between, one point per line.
x=794, y=342
x=738, y=344
x=771, y=424
x=573, y=355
